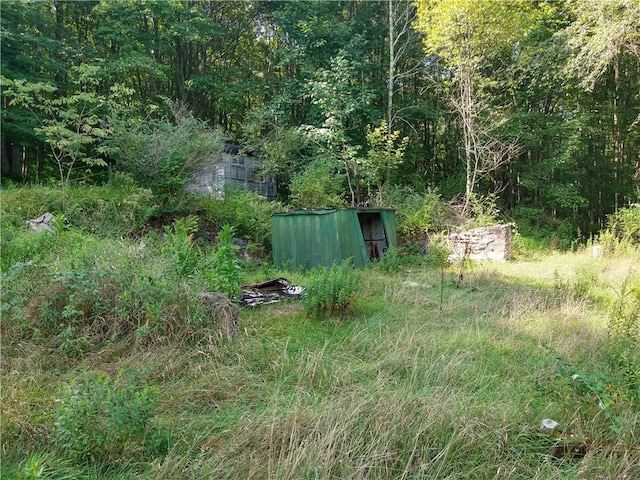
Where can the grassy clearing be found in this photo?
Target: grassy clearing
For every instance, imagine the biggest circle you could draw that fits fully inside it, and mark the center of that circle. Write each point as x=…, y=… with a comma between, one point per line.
x=412, y=383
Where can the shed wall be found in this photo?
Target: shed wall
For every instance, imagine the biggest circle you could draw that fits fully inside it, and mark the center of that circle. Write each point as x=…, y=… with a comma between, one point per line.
x=315, y=238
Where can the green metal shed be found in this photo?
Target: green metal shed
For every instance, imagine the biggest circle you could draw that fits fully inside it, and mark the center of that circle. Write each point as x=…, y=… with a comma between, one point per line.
x=321, y=237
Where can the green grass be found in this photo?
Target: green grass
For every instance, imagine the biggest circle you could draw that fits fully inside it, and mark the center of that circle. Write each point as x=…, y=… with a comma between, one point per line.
x=408, y=384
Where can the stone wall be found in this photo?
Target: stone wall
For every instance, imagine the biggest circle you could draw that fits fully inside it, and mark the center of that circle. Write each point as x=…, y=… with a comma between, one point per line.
x=486, y=243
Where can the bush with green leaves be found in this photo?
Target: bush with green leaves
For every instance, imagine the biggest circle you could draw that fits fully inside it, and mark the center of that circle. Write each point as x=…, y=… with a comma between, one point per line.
x=319, y=186
x=223, y=271
x=484, y=211
x=163, y=155
x=248, y=213
x=417, y=213
x=624, y=338
x=623, y=230
x=100, y=418
x=331, y=291
x=119, y=208
x=78, y=292
x=546, y=230
x=612, y=384
x=179, y=247
x=21, y=246
x=72, y=124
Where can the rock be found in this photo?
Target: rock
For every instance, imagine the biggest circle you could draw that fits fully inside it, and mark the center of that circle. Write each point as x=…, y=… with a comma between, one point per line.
x=43, y=222
x=240, y=243
x=225, y=314
x=549, y=426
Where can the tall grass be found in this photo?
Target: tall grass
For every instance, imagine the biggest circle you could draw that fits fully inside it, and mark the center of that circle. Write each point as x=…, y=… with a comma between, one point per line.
x=422, y=380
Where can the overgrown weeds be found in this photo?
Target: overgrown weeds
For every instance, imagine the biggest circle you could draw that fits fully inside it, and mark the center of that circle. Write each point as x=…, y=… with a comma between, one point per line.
x=330, y=292
x=222, y=269
x=113, y=368
x=99, y=417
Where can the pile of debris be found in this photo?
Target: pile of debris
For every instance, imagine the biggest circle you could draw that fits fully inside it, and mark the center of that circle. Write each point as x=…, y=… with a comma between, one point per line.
x=271, y=291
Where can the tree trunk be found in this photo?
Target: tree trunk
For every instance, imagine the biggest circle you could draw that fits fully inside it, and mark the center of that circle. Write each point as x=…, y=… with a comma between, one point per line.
x=390, y=86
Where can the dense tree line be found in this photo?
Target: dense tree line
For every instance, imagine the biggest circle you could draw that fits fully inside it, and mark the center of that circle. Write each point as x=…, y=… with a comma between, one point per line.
x=535, y=101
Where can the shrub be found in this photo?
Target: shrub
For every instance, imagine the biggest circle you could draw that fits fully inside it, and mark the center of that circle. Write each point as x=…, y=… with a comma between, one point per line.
x=483, y=211
x=417, y=213
x=248, y=213
x=317, y=187
x=99, y=418
x=548, y=230
x=179, y=246
x=21, y=246
x=624, y=339
x=223, y=271
x=331, y=291
x=119, y=208
x=164, y=155
x=623, y=230
x=81, y=292
x=613, y=383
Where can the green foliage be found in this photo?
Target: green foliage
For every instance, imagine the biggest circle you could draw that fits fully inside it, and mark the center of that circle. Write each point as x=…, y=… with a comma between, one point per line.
x=248, y=213
x=19, y=283
x=317, y=187
x=613, y=383
x=624, y=338
x=331, y=291
x=396, y=259
x=602, y=31
x=118, y=209
x=625, y=224
x=470, y=359
x=438, y=256
x=385, y=156
x=338, y=100
x=164, y=155
x=597, y=388
x=100, y=418
x=623, y=231
x=75, y=300
x=180, y=250
x=47, y=465
x=484, y=211
x=549, y=231
x=391, y=261
x=453, y=28
x=79, y=293
x=418, y=214
x=319, y=99
x=582, y=285
x=73, y=124
x=223, y=271
x=20, y=246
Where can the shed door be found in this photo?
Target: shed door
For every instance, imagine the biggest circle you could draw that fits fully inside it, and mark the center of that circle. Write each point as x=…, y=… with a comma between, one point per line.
x=373, y=234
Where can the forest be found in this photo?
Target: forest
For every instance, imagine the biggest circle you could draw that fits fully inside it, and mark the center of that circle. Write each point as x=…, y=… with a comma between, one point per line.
x=531, y=105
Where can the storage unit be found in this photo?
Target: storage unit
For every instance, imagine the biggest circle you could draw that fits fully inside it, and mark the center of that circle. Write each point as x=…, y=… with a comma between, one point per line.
x=233, y=170
x=321, y=237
